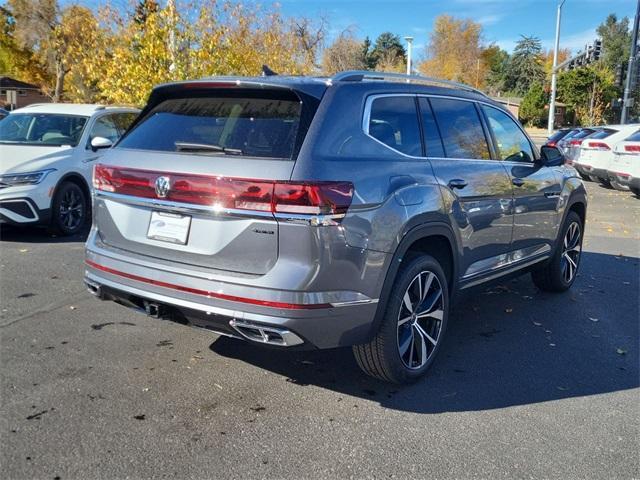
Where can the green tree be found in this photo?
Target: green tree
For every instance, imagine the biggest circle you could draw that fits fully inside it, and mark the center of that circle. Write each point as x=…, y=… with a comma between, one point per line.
x=496, y=61
x=588, y=91
x=616, y=41
x=388, y=52
x=532, y=109
x=525, y=66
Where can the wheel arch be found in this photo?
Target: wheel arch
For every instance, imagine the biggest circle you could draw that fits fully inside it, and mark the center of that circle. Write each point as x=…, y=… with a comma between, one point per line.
x=436, y=239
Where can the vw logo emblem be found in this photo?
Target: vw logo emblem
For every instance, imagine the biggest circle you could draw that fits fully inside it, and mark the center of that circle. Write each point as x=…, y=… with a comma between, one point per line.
x=163, y=185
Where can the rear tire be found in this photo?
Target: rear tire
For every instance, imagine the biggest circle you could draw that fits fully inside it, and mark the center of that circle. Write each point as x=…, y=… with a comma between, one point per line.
x=413, y=326
x=635, y=191
x=559, y=273
x=69, y=209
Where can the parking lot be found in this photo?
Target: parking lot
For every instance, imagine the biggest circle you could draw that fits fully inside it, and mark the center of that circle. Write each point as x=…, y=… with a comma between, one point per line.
x=527, y=383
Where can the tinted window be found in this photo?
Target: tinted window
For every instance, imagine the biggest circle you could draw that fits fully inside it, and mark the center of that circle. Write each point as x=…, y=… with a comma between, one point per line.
x=604, y=133
x=460, y=128
x=634, y=138
x=585, y=132
x=254, y=127
x=105, y=128
x=42, y=129
x=432, y=140
x=511, y=144
x=394, y=122
x=558, y=135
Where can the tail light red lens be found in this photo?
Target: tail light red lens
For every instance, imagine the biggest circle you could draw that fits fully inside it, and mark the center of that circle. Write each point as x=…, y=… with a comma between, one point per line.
x=311, y=198
x=599, y=145
x=632, y=148
x=551, y=144
x=575, y=143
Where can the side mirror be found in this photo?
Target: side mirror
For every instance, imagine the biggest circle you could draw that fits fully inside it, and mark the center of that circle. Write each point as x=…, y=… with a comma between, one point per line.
x=98, y=143
x=551, y=156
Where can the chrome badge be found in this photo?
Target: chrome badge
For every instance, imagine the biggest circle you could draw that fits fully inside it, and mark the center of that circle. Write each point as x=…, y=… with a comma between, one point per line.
x=163, y=185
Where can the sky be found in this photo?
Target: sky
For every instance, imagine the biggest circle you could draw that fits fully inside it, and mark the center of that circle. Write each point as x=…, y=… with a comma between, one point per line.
x=503, y=21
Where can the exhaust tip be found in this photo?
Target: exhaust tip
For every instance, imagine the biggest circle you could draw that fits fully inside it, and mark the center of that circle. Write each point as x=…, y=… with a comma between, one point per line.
x=266, y=334
x=93, y=288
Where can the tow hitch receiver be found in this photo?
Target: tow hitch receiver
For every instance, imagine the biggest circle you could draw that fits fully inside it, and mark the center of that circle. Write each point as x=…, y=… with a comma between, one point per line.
x=153, y=309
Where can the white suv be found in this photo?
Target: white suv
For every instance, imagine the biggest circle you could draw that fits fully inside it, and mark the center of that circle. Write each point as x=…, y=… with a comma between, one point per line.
x=47, y=153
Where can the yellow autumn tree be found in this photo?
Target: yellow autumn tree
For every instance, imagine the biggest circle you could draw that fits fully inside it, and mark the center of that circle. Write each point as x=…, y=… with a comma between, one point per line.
x=454, y=51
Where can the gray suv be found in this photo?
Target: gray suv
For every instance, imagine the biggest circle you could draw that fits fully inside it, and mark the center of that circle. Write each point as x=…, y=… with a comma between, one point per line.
x=305, y=212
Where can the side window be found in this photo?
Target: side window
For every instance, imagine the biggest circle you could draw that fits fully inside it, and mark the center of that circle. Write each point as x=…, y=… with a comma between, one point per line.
x=461, y=130
x=432, y=140
x=105, y=127
x=511, y=144
x=394, y=122
x=124, y=120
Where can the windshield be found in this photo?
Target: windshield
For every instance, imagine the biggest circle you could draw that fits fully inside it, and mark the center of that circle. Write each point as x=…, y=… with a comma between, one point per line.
x=255, y=126
x=42, y=129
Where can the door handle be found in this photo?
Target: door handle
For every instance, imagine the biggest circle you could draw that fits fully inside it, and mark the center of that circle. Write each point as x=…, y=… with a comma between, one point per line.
x=518, y=182
x=551, y=194
x=457, y=183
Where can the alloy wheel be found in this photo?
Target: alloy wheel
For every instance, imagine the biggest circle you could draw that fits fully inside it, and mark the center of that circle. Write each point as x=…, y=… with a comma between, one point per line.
x=420, y=320
x=571, y=249
x=71, y=211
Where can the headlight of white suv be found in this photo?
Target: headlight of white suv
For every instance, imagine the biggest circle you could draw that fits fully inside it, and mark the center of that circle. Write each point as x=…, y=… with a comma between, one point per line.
x=29, y=178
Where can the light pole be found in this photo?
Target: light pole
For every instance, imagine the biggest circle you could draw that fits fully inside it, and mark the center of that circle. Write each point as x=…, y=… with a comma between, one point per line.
x=409, y=41
x=554, y=73
x=626, y=103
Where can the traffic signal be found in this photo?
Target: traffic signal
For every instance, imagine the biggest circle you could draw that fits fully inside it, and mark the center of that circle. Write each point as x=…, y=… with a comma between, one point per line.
x=619, y=75
x=597, y=50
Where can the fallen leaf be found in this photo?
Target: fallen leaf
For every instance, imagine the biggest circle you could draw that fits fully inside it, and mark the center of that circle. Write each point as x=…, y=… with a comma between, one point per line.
x=24, y=250
x=72, y=307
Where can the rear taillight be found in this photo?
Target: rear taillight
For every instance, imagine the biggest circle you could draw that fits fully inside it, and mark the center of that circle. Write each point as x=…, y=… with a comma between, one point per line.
x=307, y=198
x=599, y=145
x=632, y=148
x=551, y=144
x=575, y=143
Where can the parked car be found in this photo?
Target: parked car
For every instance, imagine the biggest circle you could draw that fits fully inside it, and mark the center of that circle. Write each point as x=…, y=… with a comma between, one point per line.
x=596, y=151
x=570, y=145
x=3, y=113
x=624, y=169
x=317, y=213
x=558, y=135
x=47, y=153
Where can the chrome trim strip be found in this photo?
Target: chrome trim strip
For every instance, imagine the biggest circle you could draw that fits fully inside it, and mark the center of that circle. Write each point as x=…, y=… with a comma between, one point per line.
x=213, y=211
x=289, y=339
x=354, y=302
x=486, y=265
x=499, y=273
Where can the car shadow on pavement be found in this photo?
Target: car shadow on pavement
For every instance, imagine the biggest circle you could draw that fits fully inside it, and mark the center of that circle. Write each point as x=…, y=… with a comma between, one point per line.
x=38, y=234
x=508, y=344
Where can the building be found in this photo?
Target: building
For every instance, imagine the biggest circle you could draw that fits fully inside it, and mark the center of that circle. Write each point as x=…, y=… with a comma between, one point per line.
x=15, y=94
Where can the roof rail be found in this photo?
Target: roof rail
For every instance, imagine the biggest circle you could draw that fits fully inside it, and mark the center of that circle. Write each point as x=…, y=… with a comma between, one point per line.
x=360, y=75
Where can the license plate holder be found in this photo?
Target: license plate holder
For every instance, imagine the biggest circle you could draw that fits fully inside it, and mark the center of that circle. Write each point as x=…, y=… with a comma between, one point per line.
x=169, y=227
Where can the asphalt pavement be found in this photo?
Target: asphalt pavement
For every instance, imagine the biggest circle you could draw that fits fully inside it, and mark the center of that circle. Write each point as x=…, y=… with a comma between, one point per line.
x=528, y=384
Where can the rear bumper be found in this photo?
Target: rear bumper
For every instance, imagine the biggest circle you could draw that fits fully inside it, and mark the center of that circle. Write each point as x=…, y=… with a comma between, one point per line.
x=593, y=171
x=319, y=319
x=624, y=179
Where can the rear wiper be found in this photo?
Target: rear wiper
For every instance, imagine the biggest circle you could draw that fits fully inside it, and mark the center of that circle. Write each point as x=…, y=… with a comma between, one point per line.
x=205, y=147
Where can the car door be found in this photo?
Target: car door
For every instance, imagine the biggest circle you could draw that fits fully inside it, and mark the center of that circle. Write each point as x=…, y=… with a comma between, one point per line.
x=536, y=190
x=476, y=187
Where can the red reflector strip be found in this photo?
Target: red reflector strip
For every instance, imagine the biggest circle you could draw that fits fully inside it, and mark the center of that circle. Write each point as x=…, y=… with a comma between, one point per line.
x=205, y=293
x=599, y=145
x=632, y=148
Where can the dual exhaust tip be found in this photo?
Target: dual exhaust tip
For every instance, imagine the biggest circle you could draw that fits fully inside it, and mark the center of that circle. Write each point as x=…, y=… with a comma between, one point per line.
x=253, y=332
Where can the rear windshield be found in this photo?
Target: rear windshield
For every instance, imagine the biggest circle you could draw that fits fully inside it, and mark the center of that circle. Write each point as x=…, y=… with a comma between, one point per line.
x=237, y=125
x=604, y=133
x=583, y=133
x=634, y=138
x=558, y=135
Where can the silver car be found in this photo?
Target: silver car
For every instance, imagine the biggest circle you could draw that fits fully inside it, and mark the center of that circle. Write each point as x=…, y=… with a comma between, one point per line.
x=318, y=213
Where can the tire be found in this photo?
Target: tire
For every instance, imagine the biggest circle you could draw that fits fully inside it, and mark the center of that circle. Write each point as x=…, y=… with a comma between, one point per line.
x=593, y=178
x=605, y=183
x=618, y=186
x=69, y=209
x=402, y=352
x=584, y=177
x=635, y=191
x=559, y=273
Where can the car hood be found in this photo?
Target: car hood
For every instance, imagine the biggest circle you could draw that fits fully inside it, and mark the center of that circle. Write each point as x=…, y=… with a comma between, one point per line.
x=28, y=158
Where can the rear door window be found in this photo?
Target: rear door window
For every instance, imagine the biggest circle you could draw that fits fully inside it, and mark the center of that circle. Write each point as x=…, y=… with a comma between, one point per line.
x=393, y=121
x=511, y=144
x=461, y=130
x=227, y=125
